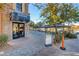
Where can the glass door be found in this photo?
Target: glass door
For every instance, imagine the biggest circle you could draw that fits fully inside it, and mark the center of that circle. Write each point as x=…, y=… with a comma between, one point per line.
x=21, y=30
x=18, y=30
x=15, y=30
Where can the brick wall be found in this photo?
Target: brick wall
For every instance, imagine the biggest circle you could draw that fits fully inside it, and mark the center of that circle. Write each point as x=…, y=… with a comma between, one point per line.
x=6, y=23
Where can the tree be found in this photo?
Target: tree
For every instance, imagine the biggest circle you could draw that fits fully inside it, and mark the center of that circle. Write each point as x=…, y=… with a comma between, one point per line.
x=39, y=24
x=50, y=14
x=54, y=14
x=68, y=13
x=33, y=25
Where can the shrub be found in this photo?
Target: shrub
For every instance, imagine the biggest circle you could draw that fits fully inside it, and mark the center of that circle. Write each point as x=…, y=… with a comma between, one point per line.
x=3, y=39
x=70, y=35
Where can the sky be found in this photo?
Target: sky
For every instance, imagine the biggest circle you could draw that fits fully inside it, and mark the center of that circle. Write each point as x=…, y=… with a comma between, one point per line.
x=35, y=13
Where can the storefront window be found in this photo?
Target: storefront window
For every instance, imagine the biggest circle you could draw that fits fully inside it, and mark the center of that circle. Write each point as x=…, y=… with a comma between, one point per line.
x=18, y=30
x=19, y=6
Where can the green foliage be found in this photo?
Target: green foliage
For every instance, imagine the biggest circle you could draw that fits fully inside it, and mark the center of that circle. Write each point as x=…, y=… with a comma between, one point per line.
x=56, y=13
x=32, y=24
x=39, y=24
x=70, y=35
x=3, y=39
x=68, y=12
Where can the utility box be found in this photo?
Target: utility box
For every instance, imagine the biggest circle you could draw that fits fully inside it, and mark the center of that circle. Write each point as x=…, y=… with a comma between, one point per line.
x=49, y=39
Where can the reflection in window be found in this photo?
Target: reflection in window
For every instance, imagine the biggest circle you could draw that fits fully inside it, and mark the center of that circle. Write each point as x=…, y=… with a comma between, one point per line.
x=19, y=6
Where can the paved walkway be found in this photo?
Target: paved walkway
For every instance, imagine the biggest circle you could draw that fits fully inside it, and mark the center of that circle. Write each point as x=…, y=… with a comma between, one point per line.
x=22, y=47
x=71, y=45
x=33, y=44
x=53, y=51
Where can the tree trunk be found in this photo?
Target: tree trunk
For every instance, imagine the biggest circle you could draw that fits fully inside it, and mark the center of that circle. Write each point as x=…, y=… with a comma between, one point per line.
x=69, y=29
x=56, y=39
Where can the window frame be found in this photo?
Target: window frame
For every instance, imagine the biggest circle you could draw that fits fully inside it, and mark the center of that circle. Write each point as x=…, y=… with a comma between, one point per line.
x=19, y=7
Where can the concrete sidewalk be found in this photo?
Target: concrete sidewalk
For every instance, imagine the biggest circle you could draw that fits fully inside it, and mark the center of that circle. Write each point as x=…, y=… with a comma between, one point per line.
x=33, y=45
x=71, y=45
x=53, y=51
x=23, y=47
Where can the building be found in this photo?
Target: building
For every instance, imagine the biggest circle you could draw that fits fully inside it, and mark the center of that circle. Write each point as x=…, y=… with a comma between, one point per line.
x=14, y=19
x=75, y=27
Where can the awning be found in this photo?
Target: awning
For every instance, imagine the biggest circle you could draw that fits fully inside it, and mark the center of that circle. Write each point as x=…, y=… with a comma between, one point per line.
x=20, y=17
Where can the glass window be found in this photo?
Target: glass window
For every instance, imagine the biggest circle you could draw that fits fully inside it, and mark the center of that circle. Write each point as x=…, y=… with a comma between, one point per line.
x=19, y=6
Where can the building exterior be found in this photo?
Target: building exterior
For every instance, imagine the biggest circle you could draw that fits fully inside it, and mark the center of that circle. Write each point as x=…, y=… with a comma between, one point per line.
x=14, y=19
